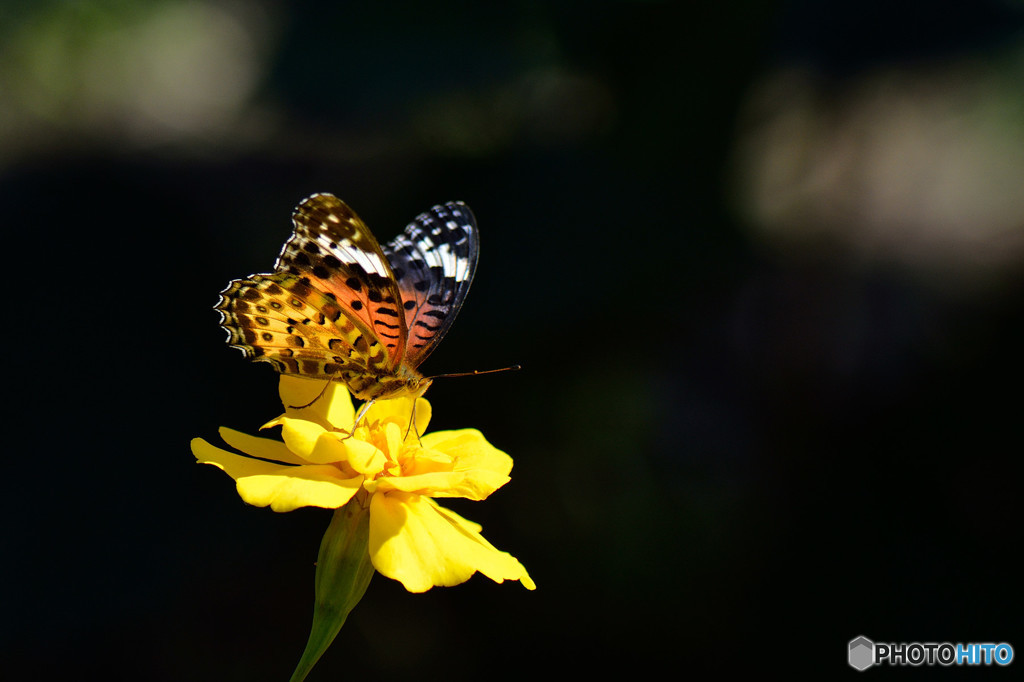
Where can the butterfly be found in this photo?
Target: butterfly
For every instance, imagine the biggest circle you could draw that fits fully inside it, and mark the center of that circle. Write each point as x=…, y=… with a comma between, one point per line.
x=341, y=307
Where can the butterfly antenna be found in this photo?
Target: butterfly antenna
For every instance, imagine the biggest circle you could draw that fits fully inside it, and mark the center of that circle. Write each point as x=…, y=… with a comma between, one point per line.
x=476, y=372
x=318, y=396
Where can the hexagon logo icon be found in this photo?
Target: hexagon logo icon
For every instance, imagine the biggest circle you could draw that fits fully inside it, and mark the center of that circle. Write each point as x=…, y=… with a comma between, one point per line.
x=862, y=653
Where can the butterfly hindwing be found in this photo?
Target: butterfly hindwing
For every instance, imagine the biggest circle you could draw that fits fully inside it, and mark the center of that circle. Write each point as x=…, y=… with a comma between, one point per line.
x=433, y=262
x=280, y=319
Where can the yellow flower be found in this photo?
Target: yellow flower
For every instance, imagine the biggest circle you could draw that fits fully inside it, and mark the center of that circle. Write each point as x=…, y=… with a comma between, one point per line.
x=380, y=465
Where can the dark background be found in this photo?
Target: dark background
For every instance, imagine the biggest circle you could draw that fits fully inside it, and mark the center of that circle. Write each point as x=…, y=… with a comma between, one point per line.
x=743, y=435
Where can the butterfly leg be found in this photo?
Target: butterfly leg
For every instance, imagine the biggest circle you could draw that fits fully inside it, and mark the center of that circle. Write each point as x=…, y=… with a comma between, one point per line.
x=362, y=411
x=318, y=396
x=412, y=424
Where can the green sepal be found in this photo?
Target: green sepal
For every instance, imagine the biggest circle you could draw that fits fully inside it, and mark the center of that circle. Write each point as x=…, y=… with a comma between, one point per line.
x=343, y=572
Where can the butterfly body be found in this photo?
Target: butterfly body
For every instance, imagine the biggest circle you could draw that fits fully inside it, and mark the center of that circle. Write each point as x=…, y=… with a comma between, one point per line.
x=341, y=307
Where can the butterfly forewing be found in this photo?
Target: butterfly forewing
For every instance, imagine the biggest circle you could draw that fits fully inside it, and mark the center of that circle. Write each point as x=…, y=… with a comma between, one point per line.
x=340, y=307
x=335, y=250
x=433, y=262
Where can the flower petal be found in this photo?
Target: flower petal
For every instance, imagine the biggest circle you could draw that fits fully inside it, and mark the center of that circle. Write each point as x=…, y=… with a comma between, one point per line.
x=232, y=464
x=399, y=410
x=394, y=439
x=470, y=450
x=363, y=457
x=300, y=435
x=473, y=485
x=331, y=409
x=264, y=448
x=311, y=441
x=420, y=544
x=288, y=488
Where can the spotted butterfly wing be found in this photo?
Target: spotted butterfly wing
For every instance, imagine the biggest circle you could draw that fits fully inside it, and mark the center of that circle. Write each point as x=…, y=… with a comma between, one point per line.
x=433, y=261
x=335, y=308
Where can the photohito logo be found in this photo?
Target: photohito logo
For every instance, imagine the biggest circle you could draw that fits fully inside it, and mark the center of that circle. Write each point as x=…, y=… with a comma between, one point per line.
x=863, y=653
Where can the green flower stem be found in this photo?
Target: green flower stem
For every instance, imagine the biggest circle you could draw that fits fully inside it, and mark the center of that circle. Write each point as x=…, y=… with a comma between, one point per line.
x=343, y=572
